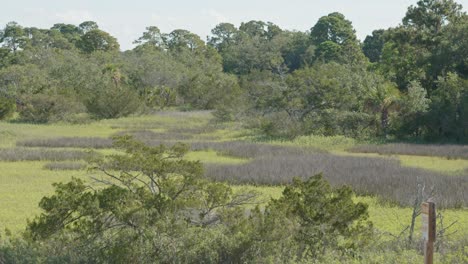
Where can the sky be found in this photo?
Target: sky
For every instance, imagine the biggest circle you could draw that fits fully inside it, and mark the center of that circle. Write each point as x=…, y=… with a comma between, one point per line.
x=127, y=20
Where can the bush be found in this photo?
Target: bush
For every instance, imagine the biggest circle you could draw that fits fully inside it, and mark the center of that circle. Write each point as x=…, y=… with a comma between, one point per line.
x=112, y=102
x=7, y=107
x=44, y=108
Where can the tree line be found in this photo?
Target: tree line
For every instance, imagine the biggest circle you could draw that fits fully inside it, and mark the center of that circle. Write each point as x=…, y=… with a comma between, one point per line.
x=405, y=82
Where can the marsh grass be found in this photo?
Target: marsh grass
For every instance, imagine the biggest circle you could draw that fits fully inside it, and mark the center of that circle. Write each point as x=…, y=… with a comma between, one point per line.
x=447, y=151
x=67, y=142
x=248, y=150
x=385, y=178
x=39, y=154
x=64, y=166
x=145, y=135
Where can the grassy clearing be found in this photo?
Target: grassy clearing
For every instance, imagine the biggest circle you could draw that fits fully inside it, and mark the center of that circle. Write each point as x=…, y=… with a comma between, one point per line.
x=64, y=166
x=22, y=186
x=450, y=166
x=437, y=164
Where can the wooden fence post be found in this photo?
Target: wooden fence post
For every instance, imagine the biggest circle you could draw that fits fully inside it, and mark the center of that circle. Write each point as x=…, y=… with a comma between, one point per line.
x=428, y=215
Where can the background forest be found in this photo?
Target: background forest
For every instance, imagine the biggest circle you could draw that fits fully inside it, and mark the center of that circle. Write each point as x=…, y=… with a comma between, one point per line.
x=407, y=82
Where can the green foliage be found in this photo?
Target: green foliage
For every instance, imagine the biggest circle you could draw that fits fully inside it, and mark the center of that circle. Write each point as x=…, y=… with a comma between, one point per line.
x=449, y=110
x=373, y=45
x=310, y=220
x=13, y=37
x=336, y=40
x=152, y=197
x=326, y=218
x=7, y=107
x=156, y=207
x=44, y=108
x=97, y=40
x=110, y=101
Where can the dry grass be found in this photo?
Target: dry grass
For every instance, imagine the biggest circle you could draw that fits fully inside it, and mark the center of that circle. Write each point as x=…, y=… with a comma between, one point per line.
x=448, y=151
x=38, y=154
x=60, y=166
x=250, y=150
x=67, y=142
x=145, y=135
x=385, y=178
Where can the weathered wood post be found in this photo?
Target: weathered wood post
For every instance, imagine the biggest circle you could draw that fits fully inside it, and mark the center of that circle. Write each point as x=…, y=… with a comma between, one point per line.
x=428, y=215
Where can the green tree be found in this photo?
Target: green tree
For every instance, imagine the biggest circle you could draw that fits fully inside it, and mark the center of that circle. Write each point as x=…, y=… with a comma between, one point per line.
x=336, y=40
x=97, y=40
x=13, y=37
x=223, y=36
x=7, y=106
x=333, y=27
x=432, y=15
x=383, y=96
x=152, y=37
x=449, y=108
x=413, y=110
x=373, y=45
x=183, y=39
x=87, y=26
x=70, y=32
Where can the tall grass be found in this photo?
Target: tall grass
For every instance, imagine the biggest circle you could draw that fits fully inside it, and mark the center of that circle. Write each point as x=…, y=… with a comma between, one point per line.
x=26, y=154
x=67, y=142
x=249, y=150
x=370, y=176
x=144, y=135
x=448, y=151
x=60, y=166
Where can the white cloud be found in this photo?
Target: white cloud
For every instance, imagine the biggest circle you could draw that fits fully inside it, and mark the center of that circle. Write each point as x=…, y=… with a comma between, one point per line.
x=217, y=16
x=74, y=16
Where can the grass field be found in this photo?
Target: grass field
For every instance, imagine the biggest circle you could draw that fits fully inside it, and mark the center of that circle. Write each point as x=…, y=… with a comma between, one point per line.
x=24, y=183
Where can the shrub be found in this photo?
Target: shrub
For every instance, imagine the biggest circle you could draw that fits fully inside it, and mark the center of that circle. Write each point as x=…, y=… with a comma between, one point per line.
x=7, y=107
x=112, y=102
x=44, y=108
x=326, y=218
